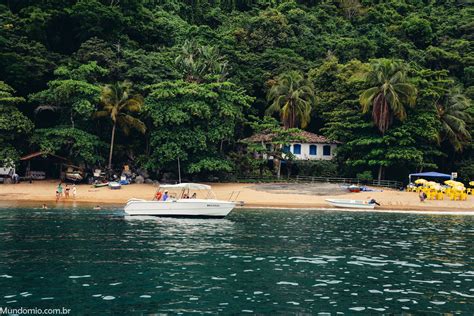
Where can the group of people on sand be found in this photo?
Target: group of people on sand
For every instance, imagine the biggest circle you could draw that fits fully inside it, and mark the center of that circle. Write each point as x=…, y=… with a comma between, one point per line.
x=59, y=191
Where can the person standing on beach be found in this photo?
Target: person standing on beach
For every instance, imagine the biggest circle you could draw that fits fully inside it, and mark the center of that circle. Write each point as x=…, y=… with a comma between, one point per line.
x=422, y=196
x=74, y=191
x=59, y=191
x=66, y=192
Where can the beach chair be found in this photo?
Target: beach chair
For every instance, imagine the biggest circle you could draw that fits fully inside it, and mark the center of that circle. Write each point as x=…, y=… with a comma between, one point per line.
x=452, y=195
x=430, y=195
x=440, y=196
x=457, y=196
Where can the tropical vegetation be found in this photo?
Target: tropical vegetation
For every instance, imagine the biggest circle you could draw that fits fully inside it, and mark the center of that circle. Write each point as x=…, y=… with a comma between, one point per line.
x=146, y=83
x=118, y=104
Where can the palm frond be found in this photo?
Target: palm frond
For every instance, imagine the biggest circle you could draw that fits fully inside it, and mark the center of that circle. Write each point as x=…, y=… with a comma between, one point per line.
x=101, y=114
x=131, y=122
x=367, y=97
x=292, y=96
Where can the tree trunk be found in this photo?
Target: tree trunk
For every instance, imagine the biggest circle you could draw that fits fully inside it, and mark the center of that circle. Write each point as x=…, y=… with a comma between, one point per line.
x=278, y=168
x=452, y=160
x=112, y=145
x=288, y=168
x=147, y=143
x=380, y=173
x=293, y=116
x=72, y=119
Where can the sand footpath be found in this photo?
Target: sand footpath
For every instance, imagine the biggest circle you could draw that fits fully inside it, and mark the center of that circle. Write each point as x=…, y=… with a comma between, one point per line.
x=306, y=196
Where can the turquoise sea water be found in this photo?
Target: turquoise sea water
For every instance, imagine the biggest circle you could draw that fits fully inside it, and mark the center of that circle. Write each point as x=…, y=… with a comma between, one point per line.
x=265, y=262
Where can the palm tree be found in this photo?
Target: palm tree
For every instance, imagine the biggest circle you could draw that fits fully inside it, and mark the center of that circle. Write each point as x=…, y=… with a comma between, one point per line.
x=454, y=118
x=118, y=103
x=389, y=94
x=292, y=96
x=196, y=62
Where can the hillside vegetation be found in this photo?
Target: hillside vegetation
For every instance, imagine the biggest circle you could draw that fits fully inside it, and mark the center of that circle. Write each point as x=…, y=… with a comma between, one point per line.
x=161, y=79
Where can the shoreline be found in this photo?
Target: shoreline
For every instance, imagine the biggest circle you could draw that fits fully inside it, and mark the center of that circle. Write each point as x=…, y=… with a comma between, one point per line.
x=51, y=203
x=254, y=196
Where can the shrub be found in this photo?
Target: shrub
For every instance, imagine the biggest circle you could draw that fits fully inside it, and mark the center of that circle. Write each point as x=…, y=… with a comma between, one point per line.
x=315, y=168
x=365, y=176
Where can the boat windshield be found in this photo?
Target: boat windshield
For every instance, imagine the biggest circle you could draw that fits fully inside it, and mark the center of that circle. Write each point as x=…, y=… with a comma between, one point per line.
x=188, y=190
x=187, y=186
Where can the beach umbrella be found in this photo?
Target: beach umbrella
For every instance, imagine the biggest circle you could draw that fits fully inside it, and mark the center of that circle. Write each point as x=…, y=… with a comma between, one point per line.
x=433, y=185
x=451, y=183
x=458, y=184
x=420, y=181
x=459, y=188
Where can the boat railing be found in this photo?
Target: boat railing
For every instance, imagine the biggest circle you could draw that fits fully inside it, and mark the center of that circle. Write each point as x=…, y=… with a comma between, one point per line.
x=233, y=196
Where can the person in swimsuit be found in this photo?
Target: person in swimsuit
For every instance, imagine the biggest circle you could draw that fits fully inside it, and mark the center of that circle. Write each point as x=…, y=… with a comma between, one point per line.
x=66, y=192
x=74, y=191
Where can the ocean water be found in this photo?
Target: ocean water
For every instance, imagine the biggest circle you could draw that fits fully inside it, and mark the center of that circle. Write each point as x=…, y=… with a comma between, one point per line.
x=254, y=261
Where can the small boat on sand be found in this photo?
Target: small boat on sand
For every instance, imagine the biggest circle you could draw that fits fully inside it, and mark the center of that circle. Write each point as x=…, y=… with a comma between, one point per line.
x=101, y=184
x=115, y=185
x=354, y=188
x=360, y=204
x=74, y=176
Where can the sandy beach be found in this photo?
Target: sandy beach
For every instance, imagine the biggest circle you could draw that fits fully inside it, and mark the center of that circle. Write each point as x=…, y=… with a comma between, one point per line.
x=301, y=196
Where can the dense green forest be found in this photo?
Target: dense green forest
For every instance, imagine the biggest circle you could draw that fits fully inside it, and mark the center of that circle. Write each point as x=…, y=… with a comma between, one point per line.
x=161, y=79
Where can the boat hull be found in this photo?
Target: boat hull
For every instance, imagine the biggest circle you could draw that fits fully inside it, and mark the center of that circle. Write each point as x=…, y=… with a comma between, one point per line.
x=180, y=208
x=115, y=185
x=358, y=204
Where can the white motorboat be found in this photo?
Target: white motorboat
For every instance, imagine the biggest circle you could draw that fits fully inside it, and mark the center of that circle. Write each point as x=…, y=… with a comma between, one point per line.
x=351, y=203
x=74, y=176
x=182, y=205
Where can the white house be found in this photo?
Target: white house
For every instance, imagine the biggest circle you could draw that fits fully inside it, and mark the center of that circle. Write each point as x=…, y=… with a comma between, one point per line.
x=307, y=146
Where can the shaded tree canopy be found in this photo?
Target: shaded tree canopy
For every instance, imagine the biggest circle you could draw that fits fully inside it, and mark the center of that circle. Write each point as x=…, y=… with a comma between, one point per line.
x=392, y=80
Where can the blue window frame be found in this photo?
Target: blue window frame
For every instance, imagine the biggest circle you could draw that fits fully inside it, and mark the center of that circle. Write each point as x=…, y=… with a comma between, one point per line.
x=286, y=149
x=326, y=150
x=297, y=149
x=313, y=150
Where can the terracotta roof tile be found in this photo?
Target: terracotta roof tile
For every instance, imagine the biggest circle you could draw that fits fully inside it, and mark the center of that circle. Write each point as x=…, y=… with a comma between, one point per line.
x=309, y=137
